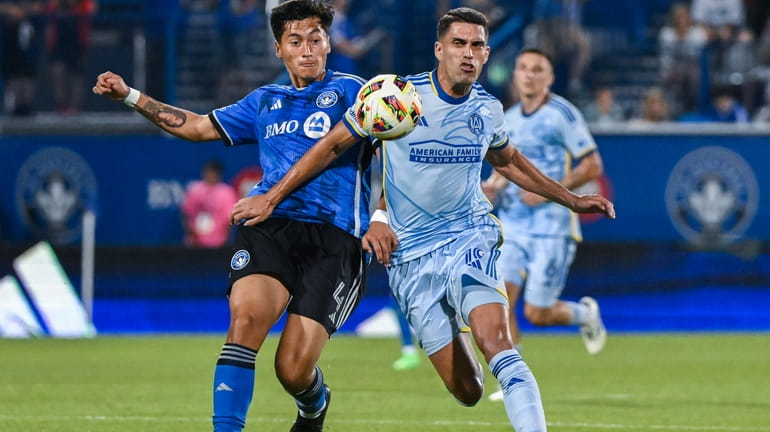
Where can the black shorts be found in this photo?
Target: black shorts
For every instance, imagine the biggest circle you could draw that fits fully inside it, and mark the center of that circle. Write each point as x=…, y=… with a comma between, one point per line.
x=322, y=266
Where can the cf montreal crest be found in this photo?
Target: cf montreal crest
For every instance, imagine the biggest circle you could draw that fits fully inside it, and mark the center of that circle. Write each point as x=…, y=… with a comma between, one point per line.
x=712, y=196
x=54, y=187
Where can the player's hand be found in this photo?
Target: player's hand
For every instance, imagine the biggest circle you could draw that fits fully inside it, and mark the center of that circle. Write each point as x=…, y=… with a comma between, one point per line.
x=111, y=85
x=380, y=241
x=531, y=199
x=251, y=210
x=593, y=203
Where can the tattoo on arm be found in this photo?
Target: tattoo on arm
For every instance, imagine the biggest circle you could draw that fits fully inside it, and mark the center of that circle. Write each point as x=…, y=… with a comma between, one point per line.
x=162, y=115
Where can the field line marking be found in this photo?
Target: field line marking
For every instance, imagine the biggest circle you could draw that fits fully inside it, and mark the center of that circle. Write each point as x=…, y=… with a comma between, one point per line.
x=396, y=422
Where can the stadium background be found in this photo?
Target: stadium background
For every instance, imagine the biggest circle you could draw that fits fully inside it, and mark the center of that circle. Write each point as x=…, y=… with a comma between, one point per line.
x=661, y=266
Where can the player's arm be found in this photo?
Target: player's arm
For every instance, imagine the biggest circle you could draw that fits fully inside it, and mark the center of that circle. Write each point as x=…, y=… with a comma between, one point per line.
x=176, y=121
x=514, y=166
x=588, y=168
x=257, y=208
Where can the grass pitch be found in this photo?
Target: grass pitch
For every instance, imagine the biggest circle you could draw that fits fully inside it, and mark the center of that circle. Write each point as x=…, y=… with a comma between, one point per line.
x=640, y=383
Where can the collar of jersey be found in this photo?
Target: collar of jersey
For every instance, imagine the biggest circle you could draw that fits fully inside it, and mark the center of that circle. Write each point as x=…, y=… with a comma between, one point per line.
x=323, y=82
x=444, y=96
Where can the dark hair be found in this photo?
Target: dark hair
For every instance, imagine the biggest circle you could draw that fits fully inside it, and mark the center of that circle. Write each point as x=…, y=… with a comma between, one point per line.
x=215, y=166
x=538, y=51
x=296, y=10
x=461, y=14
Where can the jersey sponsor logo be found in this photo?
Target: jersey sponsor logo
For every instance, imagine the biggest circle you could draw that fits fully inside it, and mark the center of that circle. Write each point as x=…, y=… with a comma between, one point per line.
x=712, y=196
x=285, y=127
x=326, y=99
x=240, y=259
x=445, y=154
x=476, y=124
x=54, y=187
x=317, y=125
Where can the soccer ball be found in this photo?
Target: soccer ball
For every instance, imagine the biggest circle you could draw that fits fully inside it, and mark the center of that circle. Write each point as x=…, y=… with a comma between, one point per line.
x=388, y=107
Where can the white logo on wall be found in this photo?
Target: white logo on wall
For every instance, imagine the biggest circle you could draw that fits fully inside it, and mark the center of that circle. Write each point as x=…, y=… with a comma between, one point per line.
x=712, y=196
x=53, y=189
x=317, y=125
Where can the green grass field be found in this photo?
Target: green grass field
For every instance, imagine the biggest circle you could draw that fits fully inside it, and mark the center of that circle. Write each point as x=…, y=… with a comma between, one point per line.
x=717, y=382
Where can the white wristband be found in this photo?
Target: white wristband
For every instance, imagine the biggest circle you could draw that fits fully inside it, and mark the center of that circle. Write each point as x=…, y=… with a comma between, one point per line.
x=379, y=215
x=132, y=98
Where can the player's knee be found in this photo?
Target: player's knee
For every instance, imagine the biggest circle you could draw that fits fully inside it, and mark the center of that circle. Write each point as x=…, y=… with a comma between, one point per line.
x=537, y=316
x=293, y=373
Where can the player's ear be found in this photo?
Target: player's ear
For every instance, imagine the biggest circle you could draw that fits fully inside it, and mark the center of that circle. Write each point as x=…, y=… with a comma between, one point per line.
x=438, y=50
x=277, y=49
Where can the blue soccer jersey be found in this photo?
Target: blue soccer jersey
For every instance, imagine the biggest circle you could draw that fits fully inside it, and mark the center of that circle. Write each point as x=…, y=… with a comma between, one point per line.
x=286, y=121
x=552, y=138
x=432, y=176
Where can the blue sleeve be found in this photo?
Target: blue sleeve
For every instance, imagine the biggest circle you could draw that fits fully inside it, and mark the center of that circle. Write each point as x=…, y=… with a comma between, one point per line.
x=238, y=123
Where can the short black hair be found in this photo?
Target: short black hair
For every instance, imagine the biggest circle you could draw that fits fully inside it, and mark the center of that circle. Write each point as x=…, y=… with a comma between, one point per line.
x=297, y=10
x=538, y=51
x=214, y=165
x=461, y=14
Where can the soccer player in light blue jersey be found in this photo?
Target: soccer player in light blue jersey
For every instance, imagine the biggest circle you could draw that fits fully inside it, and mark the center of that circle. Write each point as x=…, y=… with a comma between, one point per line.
x=541, y=236
x=307, y=258
x=441, y=242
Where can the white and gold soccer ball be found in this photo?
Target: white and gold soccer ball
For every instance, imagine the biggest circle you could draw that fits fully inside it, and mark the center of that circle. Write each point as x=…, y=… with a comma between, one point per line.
x=388, y=107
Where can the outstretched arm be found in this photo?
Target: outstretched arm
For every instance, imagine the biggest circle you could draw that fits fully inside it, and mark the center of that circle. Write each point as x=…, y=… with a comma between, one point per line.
x=176, y=121
x=517, y=168
x=257, y=208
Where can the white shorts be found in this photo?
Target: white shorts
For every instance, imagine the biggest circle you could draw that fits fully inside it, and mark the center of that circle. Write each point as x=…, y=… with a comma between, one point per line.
x=437, y=291
x=543, y=262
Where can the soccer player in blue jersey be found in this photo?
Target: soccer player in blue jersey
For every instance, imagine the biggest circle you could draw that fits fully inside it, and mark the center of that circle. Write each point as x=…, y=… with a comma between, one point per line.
x=541, y=236
x=307, y=258
x=441, y=242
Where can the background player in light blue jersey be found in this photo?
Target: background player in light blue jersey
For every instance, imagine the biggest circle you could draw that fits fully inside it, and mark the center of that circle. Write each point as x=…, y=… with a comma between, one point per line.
x=307, y=258
x=541, y=236
x=443, y=268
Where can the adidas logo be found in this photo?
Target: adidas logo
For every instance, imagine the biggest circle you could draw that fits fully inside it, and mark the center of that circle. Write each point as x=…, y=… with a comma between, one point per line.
x=223, y=387
x=276, y=105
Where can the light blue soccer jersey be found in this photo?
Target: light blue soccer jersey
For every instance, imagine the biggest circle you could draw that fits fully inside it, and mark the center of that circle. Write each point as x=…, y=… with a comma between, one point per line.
x=432, y=176
x=552, y=137
x=286, y=122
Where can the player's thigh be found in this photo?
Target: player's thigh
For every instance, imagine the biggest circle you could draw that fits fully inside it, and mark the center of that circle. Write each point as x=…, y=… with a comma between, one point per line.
x=419, y=288
x=332, y=276
x=256, y=303
x=472, y=268
x=551, y=260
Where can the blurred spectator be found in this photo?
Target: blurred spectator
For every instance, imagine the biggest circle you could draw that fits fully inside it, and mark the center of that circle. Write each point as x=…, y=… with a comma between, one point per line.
x=680, y=44
x=715, y=14
x=19, y=35
x=726, y=109
x=237, y=23
x=557, y=29
x=67, y=38
x=655, y=108
x=495, y=13
x=348, y=45
x=603, y=110
x=206, y=208
x=763, y=114
x=731, y=59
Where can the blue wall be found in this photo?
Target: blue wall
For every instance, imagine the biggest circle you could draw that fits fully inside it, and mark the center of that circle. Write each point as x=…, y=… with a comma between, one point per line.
x=687, y=251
